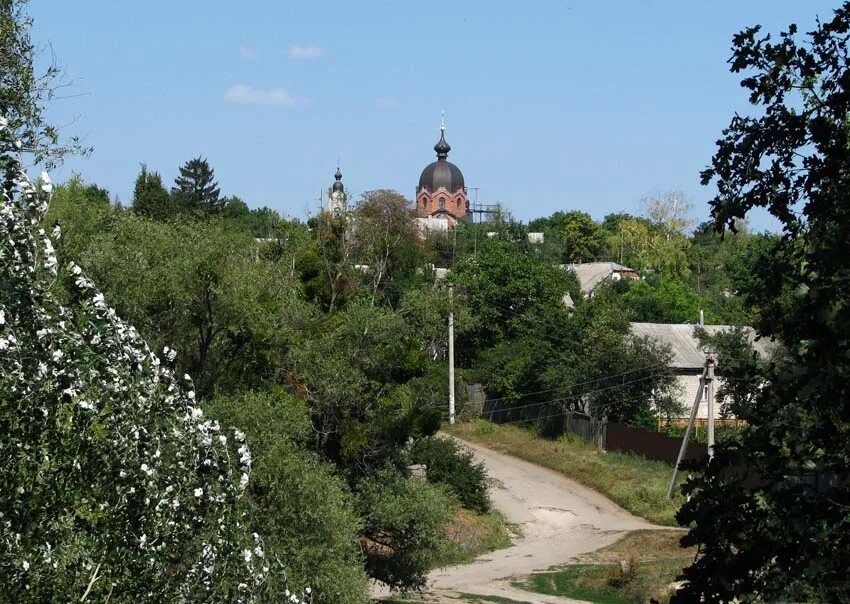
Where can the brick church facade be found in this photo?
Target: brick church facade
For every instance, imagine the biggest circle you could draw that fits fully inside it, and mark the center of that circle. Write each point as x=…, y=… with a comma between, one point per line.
x=441, y=194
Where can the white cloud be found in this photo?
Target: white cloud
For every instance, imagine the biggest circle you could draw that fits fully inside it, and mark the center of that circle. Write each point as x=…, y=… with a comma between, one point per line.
x=245, y=95
x=305, y=52
x=385, y=103
x=247, y=53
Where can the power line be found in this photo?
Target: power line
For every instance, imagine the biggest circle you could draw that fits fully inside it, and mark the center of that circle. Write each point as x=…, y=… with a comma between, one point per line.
x=608, y=377
x=588, y=392
x=560, y=413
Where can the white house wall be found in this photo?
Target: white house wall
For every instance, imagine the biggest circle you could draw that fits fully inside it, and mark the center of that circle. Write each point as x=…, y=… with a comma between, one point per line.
x=688, y=386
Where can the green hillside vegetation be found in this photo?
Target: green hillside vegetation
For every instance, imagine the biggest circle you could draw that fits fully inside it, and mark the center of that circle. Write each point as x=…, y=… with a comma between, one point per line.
x=339, y=376
x=201, y=400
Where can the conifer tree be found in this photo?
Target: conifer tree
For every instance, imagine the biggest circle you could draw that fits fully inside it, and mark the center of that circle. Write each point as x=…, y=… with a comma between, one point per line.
x=196, y=189
x=150, y=198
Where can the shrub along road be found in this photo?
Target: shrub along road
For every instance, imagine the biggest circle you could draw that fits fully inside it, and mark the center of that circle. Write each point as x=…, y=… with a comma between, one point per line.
x=559, y=519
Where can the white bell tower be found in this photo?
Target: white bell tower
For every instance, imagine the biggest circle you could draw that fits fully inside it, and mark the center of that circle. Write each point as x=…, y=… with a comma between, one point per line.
x=337, y=199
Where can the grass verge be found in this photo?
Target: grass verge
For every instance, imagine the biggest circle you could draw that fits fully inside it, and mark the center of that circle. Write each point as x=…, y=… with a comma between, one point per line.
x=653, y=558
x=637, y=484
x=470, y=535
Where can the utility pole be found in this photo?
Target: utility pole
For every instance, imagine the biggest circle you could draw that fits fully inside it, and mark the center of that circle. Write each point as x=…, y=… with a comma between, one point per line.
x=709, y=378
x=684, y=447
x=451, y=357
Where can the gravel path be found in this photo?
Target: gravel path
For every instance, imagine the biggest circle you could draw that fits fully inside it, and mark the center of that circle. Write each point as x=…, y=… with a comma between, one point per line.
x=559, y=520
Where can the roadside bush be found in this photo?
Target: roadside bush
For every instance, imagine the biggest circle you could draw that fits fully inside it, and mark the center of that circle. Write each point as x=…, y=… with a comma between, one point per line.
x=303, y=507
x=404, y=522
x=452, y=465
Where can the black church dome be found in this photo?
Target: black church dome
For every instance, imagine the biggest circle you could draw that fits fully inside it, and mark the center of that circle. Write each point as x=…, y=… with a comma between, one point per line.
x=337, y=186
x=441, y=173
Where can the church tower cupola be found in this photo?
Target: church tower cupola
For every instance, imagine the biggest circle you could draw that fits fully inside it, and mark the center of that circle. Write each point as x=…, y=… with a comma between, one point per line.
x=442, y=147
x=441, y=193
x=337, y=198
x=337, y=186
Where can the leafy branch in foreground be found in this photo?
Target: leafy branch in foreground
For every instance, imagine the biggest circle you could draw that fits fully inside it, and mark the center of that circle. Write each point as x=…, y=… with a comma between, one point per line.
x=24, y=93
x=114, y=485
x=770, y=513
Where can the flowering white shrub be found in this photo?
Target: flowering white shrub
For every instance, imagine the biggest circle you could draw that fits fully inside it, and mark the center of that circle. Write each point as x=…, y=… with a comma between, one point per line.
x=113, y=486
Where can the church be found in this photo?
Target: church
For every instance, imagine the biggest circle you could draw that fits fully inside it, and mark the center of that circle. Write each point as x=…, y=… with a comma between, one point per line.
x=441, y=196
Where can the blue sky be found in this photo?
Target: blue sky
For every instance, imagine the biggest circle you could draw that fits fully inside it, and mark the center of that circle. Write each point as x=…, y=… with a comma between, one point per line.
x=550, y=105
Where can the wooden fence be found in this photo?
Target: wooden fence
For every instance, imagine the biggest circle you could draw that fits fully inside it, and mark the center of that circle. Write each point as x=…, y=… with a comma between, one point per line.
x=587, y=428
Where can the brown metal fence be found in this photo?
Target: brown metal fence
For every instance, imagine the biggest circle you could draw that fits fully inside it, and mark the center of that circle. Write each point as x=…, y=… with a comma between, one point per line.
x=649, y=444
x=608, y=436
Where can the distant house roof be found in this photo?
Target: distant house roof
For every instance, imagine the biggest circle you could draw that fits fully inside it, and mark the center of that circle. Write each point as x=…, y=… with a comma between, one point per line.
x=685, y=346
x=591, y=274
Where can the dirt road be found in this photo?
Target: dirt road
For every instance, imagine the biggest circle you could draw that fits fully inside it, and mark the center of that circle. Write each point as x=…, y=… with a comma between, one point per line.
x=559, y=520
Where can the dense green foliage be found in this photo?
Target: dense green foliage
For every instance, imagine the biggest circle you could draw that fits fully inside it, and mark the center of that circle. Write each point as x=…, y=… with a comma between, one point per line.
x=115, y=486
x=449, y=464
x=197, y=287
x=403, y=526
x=540, y=359
x=300, y=504
x=326, y=344
x=784, y=534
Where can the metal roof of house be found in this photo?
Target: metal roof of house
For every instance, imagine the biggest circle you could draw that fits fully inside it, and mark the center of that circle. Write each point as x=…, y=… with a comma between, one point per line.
x=591, y=274
x=684, y=344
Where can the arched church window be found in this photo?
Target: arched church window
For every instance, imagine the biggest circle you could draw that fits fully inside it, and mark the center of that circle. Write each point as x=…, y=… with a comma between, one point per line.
x=442, y=203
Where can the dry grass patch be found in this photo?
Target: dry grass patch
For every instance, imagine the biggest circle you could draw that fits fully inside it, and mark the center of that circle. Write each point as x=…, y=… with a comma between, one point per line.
x=637, y=484
x=470, y=535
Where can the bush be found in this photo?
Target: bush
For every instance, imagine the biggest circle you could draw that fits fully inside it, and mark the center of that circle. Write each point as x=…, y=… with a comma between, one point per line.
x=404, y=520
x=114, y=486
x=452, y=465
x=304, y=509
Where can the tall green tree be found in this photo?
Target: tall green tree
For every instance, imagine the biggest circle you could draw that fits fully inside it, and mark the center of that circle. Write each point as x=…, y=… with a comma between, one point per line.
x=785, y=536
x=387, y=242
x=326, y=267
x=576, y=235
x=150, y=198
x=502, y=286
x=583, y=238
x=196, y=189
x=199, y=288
